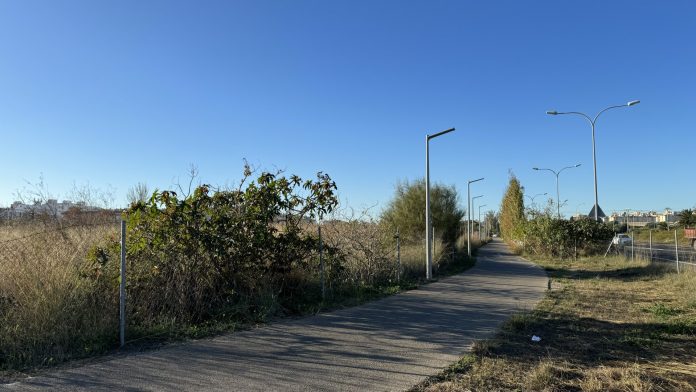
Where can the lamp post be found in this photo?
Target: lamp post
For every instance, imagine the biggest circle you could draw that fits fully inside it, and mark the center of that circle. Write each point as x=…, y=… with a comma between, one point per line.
x=428, y=223
x=558, y=193
x=468, y=213
x=594, y=155
x=479, y=220
x=532, y=205
x=473, y=201
x=535, y=196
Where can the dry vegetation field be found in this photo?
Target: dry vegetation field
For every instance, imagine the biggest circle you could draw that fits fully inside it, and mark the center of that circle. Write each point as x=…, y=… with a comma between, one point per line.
x=48, y=309
x=55, y=305
x=606, y=325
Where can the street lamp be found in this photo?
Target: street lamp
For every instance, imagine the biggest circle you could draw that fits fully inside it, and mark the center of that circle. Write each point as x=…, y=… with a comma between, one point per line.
x=468, y=213
x=534, y=197
x=428, y=231
x=473, y=200
x=479, y=220
x=594, y=155
x=558, y=194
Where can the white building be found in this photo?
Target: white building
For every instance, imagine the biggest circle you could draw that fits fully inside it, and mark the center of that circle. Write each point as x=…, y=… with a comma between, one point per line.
x=51, y=208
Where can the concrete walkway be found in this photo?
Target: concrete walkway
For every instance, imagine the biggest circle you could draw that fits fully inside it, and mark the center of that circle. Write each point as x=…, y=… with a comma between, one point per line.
x=386, y=345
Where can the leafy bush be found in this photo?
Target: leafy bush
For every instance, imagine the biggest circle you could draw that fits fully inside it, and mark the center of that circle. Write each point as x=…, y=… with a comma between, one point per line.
x=546, y=235
x=406, y=211
x=193, y=257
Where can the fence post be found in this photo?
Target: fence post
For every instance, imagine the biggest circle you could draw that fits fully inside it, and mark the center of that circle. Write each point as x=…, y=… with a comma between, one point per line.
x=433, y=242
x=321, y=265
x=122, y=291
x=676, y=248
x=651, y=253
x=575, y=250
x=398, y=256
x=633, y=257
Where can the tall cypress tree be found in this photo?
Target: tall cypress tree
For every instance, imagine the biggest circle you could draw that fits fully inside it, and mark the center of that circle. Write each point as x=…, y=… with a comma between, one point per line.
x=512, y=211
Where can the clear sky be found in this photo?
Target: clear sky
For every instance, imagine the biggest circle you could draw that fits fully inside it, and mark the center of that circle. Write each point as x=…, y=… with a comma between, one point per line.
x=115, y=93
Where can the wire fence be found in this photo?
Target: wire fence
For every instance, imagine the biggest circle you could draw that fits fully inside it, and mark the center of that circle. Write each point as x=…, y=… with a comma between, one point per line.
x=667, y=253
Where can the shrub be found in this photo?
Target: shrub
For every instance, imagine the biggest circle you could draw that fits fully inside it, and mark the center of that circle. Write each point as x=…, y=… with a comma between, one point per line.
x=193, y=257
x=406, y=211
x=546, y=235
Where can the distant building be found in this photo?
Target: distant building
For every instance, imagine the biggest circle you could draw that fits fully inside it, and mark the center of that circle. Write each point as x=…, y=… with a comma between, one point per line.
x=52, y=208
x=642, y=218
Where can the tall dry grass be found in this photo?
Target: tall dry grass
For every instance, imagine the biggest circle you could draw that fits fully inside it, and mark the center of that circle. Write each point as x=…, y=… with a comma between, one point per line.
x=49, y=309
x=57, y=304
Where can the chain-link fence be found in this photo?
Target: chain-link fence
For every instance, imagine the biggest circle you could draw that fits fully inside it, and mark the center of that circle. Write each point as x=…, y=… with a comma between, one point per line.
x=673, y=253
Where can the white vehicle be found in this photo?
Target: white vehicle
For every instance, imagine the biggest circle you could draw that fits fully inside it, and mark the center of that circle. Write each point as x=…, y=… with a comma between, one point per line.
x=621, y=240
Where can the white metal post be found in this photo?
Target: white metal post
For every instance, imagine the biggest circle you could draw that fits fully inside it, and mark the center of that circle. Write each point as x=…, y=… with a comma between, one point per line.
x=428, y=223
x=428, y=254
x=468, y=218
x=594, y=165
x=122, y=289
x=434, y=248
x=398, y=256
x=676, y=249
x=321, y=265
x=479, y=223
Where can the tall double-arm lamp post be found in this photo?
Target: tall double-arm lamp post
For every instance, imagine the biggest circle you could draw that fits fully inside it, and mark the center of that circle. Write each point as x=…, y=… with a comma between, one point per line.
x=428, y=223
x=593, y=121
x=558, y=193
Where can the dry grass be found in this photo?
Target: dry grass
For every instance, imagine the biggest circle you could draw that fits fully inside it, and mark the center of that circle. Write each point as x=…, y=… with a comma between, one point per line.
x=55, y=307
x=661, y=236
x=45, y=298
x=611, y=325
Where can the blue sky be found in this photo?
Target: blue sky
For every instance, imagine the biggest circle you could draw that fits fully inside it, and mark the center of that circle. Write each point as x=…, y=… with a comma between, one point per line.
x=115, y=93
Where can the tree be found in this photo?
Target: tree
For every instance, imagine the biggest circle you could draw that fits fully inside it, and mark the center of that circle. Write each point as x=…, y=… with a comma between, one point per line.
x=687, y=217
x=512, y=211
x=406, y=210
x=138, y=193
x=491, y=220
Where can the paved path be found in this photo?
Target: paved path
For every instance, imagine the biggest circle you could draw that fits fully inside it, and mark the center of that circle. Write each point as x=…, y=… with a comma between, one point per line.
x=386, y=345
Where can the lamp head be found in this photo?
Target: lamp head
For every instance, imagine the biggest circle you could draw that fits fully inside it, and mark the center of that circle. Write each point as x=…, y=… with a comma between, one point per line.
x=535, y=168
x=631, y=103
x=552, y=112
x=578, y=165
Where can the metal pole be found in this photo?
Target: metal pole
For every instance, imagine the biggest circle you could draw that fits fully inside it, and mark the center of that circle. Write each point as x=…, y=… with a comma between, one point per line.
x=122, y=290
x=428, y=254
x=594, y=164
x=468, y=221
x=633, y=257
x=479, y=224
x=676, y=249
x=434, y=249
x=575, y=250
x=398, y=256
x=321, y=265
x=558, y=197
x=651, y=253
